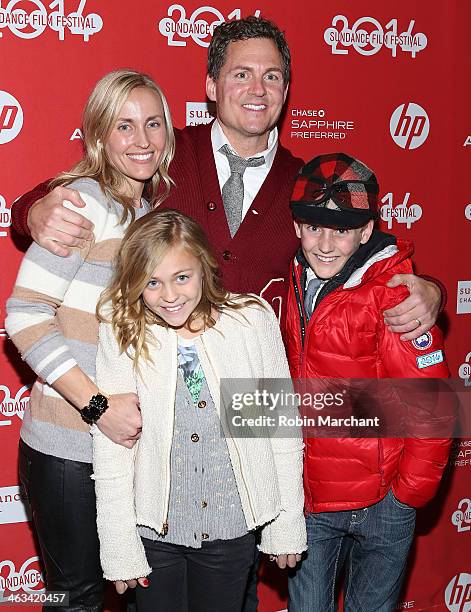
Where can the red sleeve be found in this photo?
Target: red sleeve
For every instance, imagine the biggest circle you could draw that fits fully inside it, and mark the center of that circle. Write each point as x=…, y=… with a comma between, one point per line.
x=430, y=410
x=21, y=206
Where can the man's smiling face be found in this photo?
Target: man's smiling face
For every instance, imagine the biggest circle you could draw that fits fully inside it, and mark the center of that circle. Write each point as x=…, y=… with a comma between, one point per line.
x=249, y=93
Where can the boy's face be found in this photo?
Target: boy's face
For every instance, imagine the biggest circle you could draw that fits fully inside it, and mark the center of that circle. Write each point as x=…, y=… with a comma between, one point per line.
x=327, y=249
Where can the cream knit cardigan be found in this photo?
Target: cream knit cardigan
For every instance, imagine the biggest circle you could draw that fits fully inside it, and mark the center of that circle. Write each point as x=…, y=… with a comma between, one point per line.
x=133, y=485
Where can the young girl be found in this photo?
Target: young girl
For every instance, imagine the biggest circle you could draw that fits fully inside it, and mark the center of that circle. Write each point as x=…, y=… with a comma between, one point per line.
x=128, y=145
x=184, y=502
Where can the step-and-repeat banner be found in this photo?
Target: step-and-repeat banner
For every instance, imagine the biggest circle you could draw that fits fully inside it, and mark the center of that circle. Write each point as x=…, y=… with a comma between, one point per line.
x=386, y=82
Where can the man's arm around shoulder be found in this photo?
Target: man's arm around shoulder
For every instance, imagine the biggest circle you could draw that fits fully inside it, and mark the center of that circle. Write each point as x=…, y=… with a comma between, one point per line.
x=40, y=214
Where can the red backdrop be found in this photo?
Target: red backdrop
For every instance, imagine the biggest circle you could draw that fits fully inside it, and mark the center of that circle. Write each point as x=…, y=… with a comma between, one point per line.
x=386, y=82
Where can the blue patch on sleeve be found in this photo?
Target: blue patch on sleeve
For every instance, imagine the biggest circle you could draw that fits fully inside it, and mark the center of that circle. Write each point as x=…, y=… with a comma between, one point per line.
x=425, y=361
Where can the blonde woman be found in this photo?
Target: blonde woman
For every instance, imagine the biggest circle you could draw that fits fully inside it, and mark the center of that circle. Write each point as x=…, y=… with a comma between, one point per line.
x=128, y=146
x=182, y=505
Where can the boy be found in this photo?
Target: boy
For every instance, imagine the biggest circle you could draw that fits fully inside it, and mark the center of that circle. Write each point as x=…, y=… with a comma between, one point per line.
x=360, y=493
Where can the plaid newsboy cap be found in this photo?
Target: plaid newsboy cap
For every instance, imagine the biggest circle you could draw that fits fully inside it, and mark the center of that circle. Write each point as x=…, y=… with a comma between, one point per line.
x=335, y=190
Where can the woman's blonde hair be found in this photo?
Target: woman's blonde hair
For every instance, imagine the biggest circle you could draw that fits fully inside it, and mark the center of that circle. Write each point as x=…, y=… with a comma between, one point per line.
x=99, y=115
x=145, y=244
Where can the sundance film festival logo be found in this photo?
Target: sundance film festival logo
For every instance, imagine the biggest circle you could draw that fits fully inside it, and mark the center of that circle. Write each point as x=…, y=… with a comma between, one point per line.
x=11, y=117
x=33, y=22
x=200, y=112
x=458, y=593
x=13, y=507
x=463, y=297
x=28, y=578
x=409, y=126
x=464, y=371
x=461, y=517
x=13, y=405
x=199, y=26
x=401, y=213
x=367, y=37
x=5, y=217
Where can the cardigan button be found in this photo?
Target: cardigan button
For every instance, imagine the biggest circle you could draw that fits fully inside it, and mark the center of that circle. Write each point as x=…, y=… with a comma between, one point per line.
x=202, y=404
x=205, y=536
x=195, y=437
x=227, y=255
x=211, y=205
x=204, y=504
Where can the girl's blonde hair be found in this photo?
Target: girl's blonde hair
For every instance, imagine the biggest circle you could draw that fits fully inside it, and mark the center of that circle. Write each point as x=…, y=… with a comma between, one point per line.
x=145, y=244
x=100, y=113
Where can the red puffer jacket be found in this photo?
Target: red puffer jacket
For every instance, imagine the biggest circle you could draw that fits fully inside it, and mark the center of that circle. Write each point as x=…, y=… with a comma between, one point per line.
x=347, y=338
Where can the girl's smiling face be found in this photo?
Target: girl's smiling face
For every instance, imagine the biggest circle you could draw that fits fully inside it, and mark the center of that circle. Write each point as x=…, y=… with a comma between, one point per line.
x=175, y=287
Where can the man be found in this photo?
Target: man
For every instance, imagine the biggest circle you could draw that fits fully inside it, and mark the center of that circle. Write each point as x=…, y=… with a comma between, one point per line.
x=233, y=177
x=248, y=78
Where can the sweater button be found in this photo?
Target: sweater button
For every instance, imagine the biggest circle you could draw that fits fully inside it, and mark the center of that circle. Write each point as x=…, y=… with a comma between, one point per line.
x=227, y=255
x=211, y=205
x=204, y=504
x=205, y=536
x=195, y=437
x=202, y=404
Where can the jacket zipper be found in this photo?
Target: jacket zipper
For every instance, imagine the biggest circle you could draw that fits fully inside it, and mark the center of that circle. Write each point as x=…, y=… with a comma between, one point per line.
x=304, y=328
x=381, y=461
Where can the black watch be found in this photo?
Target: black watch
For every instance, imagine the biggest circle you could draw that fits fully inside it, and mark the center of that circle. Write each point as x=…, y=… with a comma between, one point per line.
x=96, y=407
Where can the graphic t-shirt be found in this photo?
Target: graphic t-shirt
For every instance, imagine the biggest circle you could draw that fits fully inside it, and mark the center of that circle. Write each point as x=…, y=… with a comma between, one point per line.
x=190, y=367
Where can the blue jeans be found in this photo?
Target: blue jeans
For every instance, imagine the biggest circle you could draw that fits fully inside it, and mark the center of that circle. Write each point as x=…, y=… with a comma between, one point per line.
x=377, y=538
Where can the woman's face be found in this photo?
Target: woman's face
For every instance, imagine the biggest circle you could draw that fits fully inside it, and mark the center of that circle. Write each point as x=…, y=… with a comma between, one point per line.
x=175, y=288
x=137, y=139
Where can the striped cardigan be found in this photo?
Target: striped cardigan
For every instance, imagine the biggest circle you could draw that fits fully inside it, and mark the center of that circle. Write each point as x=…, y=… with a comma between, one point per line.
x=51, y=320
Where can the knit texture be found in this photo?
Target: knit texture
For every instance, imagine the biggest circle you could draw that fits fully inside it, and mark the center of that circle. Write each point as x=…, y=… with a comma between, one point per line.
x=257, y=258
x=204, y=502
x=133, y=485
x=51, y=320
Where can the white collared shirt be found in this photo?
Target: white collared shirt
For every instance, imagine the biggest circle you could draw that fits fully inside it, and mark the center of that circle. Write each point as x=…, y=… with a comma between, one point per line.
x=253, y=176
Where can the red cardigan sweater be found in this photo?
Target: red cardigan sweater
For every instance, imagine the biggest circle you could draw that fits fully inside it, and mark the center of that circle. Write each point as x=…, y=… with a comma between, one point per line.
x=257, y=258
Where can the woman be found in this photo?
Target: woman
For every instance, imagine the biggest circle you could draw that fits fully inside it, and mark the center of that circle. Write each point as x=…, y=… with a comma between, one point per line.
x=182, y=504
x=128, y=146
